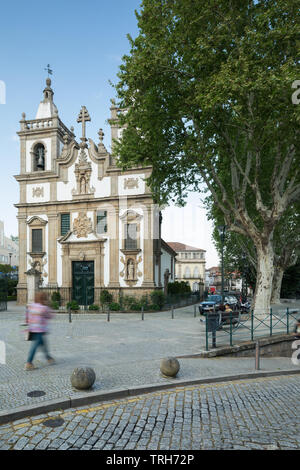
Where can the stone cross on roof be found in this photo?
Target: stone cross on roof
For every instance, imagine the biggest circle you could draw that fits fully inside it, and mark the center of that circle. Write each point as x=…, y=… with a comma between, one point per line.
x=83, y=117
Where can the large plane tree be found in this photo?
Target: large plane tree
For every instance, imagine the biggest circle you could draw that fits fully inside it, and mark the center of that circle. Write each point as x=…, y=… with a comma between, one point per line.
x=207, y=86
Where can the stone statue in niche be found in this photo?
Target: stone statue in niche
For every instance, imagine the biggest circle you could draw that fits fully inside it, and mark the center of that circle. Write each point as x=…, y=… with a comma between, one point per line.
x=166, y=280
x=82, y=186
x=130, y=270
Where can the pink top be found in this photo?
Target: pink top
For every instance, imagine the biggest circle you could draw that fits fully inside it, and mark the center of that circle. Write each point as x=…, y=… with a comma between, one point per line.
x=37, y=316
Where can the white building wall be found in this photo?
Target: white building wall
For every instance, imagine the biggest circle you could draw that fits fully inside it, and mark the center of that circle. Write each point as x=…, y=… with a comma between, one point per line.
x=37, y=192
x=140, y=189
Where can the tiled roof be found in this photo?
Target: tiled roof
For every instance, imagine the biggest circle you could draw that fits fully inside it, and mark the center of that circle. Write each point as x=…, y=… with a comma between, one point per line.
x=182, y=247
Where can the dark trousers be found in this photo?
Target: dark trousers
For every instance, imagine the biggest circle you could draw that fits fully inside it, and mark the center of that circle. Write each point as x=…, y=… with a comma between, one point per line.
x=38, y=340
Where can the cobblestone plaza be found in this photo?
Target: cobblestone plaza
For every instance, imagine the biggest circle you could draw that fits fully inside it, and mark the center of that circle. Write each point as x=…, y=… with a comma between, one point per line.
x=126, y=352
x=249, y=414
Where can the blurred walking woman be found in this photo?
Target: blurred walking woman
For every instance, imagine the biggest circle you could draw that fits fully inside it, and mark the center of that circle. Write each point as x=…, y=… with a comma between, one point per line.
x=38, y=315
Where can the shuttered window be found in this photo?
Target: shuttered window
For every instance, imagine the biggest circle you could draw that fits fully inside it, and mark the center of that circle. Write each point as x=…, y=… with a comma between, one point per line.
x=37, y=240
x=101, y=222
x=64, y=224
x=130, y=236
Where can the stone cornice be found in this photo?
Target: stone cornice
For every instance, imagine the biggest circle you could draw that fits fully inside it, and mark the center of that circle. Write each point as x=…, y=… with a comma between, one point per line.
x=77, y=201
x=37, y=177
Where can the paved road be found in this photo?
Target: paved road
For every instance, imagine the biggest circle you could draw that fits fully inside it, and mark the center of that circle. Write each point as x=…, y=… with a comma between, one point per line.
x=249, y=414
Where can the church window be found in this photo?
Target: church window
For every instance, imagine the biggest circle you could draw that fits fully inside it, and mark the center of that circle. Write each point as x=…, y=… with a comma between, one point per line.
x=39, y=158
x=102, y=222
x=64, y=224
x=131, y=237
x=37, y=240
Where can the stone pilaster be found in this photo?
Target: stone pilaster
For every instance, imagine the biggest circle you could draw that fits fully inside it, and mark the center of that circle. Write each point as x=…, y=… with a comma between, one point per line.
x=148, y=254
x=22, y=250
x=113, y=232
x=53, y=220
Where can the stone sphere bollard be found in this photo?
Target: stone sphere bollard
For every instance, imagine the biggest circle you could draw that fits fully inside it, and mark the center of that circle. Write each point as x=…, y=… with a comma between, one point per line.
x=169, y=366
x=83, y=378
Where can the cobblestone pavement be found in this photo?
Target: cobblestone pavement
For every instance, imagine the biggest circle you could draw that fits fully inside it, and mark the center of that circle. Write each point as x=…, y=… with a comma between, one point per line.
x=123, y=352
x=246, y=414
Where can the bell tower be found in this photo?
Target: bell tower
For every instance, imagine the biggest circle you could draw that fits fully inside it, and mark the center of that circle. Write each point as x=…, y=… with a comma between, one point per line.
x=42, y=139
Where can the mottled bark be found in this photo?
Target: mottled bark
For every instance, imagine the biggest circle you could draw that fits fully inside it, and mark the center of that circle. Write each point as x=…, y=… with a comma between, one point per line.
x=265, y=273
x=276, y=285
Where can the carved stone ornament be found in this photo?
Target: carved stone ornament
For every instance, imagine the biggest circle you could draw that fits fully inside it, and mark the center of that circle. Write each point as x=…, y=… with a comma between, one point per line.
x=69, y=151
x=39, y=265
x=131, y=183
x=83, y=171
x=38, y=192
x=82, y=226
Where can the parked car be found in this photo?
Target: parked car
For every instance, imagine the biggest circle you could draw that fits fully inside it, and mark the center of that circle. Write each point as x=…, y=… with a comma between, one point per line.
x=214, y=301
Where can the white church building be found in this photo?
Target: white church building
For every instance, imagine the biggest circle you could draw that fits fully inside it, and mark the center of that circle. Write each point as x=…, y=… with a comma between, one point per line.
x=85, y=224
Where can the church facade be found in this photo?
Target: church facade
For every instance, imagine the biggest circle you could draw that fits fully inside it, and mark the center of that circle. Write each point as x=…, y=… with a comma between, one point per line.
x=84, y=224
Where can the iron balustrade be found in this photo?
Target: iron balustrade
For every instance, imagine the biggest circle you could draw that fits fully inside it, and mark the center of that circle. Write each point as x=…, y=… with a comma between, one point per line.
x=248, y=326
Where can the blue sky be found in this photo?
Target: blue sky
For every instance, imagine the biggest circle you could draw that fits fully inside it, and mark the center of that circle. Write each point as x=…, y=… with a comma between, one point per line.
x=84, y=43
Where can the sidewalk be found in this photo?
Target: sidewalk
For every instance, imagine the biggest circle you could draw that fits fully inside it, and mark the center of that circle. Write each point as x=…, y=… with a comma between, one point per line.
x=124, y=352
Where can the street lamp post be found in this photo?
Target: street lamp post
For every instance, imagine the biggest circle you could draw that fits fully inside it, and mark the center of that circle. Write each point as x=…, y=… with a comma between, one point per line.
x=222, y=232
x=244, y=276
x=10, y=255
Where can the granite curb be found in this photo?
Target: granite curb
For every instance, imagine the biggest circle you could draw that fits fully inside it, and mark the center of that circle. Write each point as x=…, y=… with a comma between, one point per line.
x=88, y=398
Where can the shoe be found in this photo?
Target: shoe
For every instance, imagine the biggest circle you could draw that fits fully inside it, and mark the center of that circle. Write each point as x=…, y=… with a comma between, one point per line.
x=29, y=366
x=51, y=361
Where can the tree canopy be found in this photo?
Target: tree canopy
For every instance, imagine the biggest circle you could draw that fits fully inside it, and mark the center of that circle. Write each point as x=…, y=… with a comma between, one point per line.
x=208, y=91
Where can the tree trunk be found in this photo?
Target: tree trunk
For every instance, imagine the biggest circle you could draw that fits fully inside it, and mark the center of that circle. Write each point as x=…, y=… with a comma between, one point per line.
x=264, y=278
x=276, y=286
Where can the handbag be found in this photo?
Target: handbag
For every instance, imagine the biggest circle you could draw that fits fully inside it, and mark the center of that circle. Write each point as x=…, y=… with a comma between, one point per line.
x=28, y=335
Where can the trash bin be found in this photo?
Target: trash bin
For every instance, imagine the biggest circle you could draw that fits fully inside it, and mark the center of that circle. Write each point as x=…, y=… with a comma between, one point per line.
x=213, y=320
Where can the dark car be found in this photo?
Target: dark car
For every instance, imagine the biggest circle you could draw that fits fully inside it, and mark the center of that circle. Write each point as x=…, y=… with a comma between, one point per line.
x=212, y=301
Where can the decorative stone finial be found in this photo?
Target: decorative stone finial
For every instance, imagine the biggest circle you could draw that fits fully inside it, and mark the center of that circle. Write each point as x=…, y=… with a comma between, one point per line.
x=48, y=82
x=83, y=118
x=23, y=116
x=101, y=135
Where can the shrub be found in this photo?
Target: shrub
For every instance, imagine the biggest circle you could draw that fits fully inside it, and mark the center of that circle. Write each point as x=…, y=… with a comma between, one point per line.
x=114, y=306
x=154, y=307
x=11, y=287
x=144, y=302
x=135, y=306
x=179, y=287
x=94, y=307
x=55, y=297
x=158, y=298
x=54, y=305
x=105, y=297
x=73, y=305
x=128, y=301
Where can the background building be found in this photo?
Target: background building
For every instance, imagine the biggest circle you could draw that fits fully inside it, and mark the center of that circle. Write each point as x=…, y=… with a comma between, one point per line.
x=190, y=265
x=9, y=249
